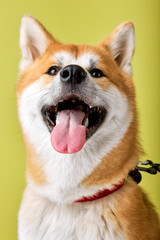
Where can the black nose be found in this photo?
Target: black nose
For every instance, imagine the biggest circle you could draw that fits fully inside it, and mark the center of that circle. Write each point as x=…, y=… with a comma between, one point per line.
x=73, y=74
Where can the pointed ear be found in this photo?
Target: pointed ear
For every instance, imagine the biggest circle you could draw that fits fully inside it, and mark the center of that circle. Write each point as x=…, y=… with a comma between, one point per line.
x=121, y=43
x=34, y=39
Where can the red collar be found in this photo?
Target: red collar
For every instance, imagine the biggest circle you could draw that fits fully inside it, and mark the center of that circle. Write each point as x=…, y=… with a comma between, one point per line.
x=102, y=193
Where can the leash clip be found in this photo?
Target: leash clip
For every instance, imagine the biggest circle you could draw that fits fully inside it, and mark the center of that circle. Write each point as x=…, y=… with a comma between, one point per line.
x=153, y=169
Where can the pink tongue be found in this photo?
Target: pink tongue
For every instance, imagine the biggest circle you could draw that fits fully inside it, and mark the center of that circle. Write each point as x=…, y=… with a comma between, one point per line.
x=69, y=135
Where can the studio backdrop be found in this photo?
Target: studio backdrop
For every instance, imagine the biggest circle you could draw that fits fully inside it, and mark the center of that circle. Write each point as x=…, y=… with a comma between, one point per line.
x=76, y=21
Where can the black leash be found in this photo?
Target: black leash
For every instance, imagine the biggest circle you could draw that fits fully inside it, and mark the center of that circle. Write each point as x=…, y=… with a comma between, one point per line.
x=153, y=168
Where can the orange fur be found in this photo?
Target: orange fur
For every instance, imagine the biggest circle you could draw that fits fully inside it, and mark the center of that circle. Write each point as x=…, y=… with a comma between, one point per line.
x=34, y=170
x=131, y=212
x=115, y=165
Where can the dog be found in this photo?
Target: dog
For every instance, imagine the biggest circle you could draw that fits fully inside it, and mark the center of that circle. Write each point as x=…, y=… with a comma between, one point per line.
x=77, y=110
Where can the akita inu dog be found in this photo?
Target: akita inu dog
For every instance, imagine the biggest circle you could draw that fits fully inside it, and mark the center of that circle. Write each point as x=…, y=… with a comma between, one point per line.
x=77, y=110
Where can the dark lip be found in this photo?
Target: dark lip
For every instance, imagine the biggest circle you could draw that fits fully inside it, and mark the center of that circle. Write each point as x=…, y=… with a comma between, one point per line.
x=70, y=96
x=95, y=114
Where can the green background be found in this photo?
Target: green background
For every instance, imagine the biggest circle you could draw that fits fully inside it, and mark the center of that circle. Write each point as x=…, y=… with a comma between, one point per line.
x=82, y=21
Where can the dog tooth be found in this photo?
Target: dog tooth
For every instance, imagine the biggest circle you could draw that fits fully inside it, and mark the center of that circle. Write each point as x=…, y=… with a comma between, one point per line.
x=57, y=118
x=86, y=122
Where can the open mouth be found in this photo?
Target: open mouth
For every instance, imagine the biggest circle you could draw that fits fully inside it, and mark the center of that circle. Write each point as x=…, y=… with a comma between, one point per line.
x=64, y=115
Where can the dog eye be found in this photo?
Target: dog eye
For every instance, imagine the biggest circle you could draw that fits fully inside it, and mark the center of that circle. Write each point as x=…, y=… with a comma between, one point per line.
x=52, y=71
x=96, y=73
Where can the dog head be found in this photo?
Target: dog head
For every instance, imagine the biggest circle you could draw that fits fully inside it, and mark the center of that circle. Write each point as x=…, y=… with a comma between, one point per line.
x=76, y=106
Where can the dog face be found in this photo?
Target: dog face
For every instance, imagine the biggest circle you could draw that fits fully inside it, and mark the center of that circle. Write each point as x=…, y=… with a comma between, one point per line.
x=77, y=109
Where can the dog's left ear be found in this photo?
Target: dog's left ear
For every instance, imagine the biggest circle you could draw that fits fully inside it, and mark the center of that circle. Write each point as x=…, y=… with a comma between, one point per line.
x=121, y=43
x=34, y=40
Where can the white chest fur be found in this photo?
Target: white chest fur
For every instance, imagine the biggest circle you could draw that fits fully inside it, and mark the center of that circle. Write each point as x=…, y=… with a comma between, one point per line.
x=40, y=219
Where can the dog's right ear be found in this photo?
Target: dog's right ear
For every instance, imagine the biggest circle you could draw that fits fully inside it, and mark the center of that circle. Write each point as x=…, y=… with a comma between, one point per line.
x=34, y=39
x=121, y=43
